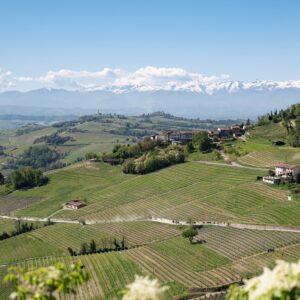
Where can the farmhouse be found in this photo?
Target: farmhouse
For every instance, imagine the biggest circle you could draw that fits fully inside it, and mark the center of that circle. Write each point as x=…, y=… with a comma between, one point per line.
x=181, y=137
x=74, y=204
x=227, y=132
x=286, y=170
x=175, y=137
x=283, y=173
x=224, y=132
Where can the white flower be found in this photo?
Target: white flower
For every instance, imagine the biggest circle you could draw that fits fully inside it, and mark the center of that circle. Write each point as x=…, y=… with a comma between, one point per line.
x=274, y=283
x=143, y=288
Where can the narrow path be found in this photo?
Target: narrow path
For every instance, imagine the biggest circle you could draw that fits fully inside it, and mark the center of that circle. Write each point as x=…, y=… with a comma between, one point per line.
x=34, y=219
x=232, y=164
x=164, y=221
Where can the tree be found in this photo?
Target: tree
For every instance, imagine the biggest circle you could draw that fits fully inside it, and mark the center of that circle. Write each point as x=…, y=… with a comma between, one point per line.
x=84, y=248
x=190, y=233
x=27, y=177
x=93, y=247
x=190, y=147
x=71, y=251
x=46, y=283
x=1, y=178
x=92, y=155
x=202, y=141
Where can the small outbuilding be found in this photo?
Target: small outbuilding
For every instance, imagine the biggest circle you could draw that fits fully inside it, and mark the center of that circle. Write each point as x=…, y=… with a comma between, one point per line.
x=74, y=204
x=271, y=179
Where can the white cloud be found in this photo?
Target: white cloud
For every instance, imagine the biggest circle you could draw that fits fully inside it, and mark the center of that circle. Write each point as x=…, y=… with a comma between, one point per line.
x=142, y=80
x=5, y=80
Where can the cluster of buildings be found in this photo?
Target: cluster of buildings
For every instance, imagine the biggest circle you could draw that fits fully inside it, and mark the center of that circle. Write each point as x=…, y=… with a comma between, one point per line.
x=283, y=173
x=184, y=137
x=227, y=132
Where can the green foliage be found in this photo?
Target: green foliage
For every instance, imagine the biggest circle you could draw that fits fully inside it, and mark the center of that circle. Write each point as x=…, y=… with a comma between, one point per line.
x=27, y=177
x=202, y=142
x=41, y=157
x=92, y=155
x=123, y=152
x=53, y=139
x=46, y=283
x=190, y=233
x=190, y=147
x=155, y=160
x=1, y=178
x=290, y=120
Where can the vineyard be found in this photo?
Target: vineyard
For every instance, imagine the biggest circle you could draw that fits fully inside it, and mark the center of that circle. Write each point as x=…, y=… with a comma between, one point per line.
x=191, y=190
x=269, y=158
x=221, y=255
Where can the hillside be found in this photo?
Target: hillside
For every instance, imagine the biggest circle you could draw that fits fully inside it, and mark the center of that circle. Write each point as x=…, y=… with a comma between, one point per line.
x=243, y=224
x=94, y=133
x=132, y=206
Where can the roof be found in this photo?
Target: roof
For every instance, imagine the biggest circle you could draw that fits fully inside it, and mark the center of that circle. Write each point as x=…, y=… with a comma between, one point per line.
x=75, y=202
x=182, y=132
x=286, y=166
x=224, y=128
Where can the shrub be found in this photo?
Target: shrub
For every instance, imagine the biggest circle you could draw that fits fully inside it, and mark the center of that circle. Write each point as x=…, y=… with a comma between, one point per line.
x=154, y=160
x=46, y=283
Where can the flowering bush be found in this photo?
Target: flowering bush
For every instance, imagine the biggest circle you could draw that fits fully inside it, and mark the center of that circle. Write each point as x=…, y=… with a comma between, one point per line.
x=45, y=283
x=144, y=288
x=283, y=282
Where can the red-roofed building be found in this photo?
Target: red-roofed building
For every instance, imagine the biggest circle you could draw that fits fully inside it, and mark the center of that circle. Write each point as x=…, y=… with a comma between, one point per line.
x=74, y=204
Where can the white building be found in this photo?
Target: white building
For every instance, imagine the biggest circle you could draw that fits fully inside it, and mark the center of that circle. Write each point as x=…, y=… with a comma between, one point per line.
x=271, y=179
x=286, y=170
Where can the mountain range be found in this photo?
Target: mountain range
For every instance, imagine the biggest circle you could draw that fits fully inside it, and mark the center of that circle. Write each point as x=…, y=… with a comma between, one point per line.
x=231, y=101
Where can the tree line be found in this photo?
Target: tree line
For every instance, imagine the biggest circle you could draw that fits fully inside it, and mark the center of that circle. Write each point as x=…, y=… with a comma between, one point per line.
x=23, y=178
x=107, y=245
x=38, y=157
x=53, y=139
x=20, y=228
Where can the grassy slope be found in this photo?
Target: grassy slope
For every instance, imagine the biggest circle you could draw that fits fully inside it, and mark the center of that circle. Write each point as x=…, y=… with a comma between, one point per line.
x=258, y=149
x=94, y=136
x=202, y=192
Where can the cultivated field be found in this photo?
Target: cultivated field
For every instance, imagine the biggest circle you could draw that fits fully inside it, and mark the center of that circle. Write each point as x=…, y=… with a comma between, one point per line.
x=224, y=255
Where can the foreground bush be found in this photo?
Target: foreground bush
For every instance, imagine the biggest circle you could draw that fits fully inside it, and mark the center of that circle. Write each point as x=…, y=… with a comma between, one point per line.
x=283, y=282
x=143, y=288
x=46, y=283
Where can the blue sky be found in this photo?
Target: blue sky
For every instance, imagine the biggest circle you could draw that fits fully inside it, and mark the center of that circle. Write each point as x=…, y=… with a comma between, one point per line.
x=246, y=39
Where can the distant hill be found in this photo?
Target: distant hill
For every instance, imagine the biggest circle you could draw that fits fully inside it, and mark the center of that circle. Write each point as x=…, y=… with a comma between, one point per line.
x=221, y=104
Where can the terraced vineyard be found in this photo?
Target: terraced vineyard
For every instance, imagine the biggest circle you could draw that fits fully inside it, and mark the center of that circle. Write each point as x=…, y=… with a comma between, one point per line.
x=190, y=190
x=6, y=225
x=269, y=158
x=225, y=255
x=121, y=205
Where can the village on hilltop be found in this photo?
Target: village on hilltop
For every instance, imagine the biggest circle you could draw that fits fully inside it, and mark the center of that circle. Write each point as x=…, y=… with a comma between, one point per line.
x=218, y=135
